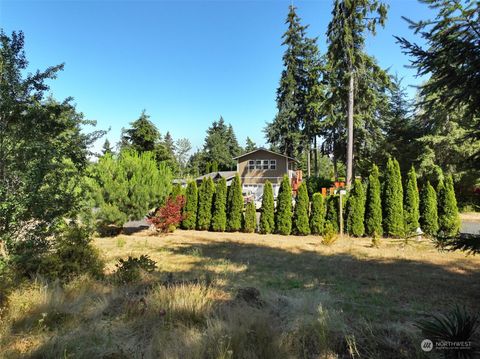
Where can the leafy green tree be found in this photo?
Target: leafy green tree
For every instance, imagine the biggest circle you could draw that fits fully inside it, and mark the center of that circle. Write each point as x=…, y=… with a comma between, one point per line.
x=142, y=136
x=191, y=206
x=356, y=209
x=332, y=213
x=283, y=214
x=205, y=197
x=448, y=218
x=300, y=217
x=250, y=221
x=182, y=149
x=219, y=219
x=250, y=145
x=373, y=208
x=234, y=205
x=411, y=203
x=317, y=216
x=267, y=216
x=429, y=210
x=393, y=218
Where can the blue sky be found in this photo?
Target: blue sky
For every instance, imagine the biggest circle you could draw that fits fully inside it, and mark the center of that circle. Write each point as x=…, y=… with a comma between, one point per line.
x=185, y=62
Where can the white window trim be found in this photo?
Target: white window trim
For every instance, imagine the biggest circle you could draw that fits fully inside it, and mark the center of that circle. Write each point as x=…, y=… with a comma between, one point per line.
x=259, y=164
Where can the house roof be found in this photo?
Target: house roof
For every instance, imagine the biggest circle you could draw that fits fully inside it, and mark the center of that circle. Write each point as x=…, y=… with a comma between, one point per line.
x=213, y=175
x=264, y=149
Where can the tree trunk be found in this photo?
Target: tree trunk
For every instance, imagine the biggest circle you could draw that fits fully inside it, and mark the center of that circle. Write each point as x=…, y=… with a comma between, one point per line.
x=308, y=159
x=350, y=133
x=315, y=154
x=335, y=168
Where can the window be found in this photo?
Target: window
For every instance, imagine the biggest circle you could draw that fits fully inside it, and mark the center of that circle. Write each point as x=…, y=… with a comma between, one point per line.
x=265, y=165
x=273, y=164
x=251, y=165
x=258, y=164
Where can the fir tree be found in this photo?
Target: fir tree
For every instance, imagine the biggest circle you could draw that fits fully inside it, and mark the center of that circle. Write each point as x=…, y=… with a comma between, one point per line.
x=219, y=219
x=142, y=136
x=234, y=205
x=205, y=196
x=448, y=218
x=393, y=218
x=250, y=221
x=190, y=209
x=373, y=208
x=429, y=210
x=267, y=216
x=332, y=212
x=300, y=218
x=411, y=203
x=317, y=216
x=356, y=209
x=250, y=145
x=283, y=215
x=107, y=148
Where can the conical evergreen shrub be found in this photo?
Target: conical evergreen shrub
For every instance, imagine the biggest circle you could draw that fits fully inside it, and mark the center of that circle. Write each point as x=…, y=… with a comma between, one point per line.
x=250, y=220
x=448, y=218
x=373, y=207
x=317, y=216
x=332, y=212
x=429, y=210
x=300, y=217
x=411, y=209
x=205, y=197
x=393, y=218
x=219, y=218
x=283, y=214
x=234, y=205
x=267, y=216
x=190, y=208
x=356, y=210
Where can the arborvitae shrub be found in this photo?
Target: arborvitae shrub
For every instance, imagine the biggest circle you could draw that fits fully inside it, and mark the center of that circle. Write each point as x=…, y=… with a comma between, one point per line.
x=448, y=218
x=219, y=219
x=190, y=208
x=250, y=221
x=411, y=203
x=428, y=210
x=373, y=208
x=300, y=218
x=234, y=205
x=177, y=190
x=283, y=214
x=393, y=219
x=332, y=212
x=356, y=210
x=267, y=216
x=317, y=216
x=205, y=197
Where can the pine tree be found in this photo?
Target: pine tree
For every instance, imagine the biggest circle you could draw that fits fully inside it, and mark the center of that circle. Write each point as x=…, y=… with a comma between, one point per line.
x=356, y=209
x=190, y=209
x=234, y=205
x=373, y=208
x=283, y=215
x=300, y=217
x=393, y=218
x=250, y=220
x=429, y=210
x=317, y=216
x=332, y=212
x=411, y=203
x=267, y=216
x=142, y=136
x=219, y=219
x=107, y=148
x=205, y=196
x=448, y=218
x=250, y=145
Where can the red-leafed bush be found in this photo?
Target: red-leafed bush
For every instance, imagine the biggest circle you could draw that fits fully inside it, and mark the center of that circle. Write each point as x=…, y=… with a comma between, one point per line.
x=167, y=218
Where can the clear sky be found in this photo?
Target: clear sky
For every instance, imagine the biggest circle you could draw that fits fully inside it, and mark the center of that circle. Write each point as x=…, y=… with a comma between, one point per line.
x=185, y=62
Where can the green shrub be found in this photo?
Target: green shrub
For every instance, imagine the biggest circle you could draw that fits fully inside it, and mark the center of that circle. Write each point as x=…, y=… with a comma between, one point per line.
x=373, y=207
x=205, y=197
x=330, y=235
x=332, y=212
x=300, y=217
x=177, y=190
x=283, y=215
x=267, y=216
x=190, y=208
x=429, y=210
x=234, y=205
x=219, y=218
x=393, y=218
x=411, y=203
x=317, y=216
x=448, y=218
x=130, y=270
x=356, y=209
x=250, y=221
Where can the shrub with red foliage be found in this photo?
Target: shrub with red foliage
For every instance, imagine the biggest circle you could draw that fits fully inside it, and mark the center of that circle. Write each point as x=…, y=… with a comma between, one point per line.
x=167, y=218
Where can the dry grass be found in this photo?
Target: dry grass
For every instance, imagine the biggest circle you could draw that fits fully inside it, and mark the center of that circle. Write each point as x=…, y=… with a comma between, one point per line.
x=349, y=299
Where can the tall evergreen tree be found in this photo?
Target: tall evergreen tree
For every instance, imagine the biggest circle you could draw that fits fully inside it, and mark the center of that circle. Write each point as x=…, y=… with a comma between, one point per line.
x=448, y=218
x=356, y=209
x=142, y=136
x=250, y=145
x=190, y=208
x=429, y=210
x=317, y=216
x=300, y=217
x=411, y=203
x=393, y=218
x=234, y=205
x=267, y=216
x=219, y=218
x=332, y=212
x=205, y=197
x=250, y=220
x=107, y=148
x=373, y=208
x=283, y=214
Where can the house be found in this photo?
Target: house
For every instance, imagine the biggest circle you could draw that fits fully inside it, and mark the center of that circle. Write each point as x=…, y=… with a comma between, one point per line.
x=215, y=176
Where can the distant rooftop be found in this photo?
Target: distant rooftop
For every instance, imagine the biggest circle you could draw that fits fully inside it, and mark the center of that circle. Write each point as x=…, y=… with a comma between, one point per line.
x=264, y=149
